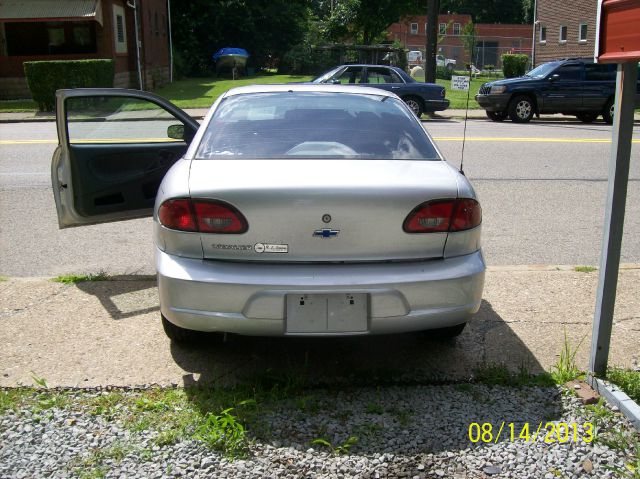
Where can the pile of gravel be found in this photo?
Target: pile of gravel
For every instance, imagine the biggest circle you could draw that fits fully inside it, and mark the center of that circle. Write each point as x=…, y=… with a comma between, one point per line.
x=408, y=431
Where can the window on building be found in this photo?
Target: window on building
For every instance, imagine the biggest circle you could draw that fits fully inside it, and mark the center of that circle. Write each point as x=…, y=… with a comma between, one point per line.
x=164, y=25
x=456, y=29
x=156, y=24
x=119, y=29
x=543, y=34
x=414, y=29
x=563, y=34
x=49, y=38
x=442, y=29
x=582, y=33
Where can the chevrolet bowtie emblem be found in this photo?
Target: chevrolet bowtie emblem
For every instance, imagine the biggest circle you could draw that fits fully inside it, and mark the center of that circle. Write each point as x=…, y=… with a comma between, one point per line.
x=326, y=233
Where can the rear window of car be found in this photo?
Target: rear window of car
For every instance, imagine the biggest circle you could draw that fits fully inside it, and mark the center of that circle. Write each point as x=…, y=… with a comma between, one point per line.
x=313, y=125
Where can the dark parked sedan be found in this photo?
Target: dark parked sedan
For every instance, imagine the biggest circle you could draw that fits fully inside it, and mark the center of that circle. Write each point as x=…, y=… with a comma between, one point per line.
x=420, y=97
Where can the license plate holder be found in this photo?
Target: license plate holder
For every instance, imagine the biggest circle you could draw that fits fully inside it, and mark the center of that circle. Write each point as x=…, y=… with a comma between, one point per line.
x=327, y=313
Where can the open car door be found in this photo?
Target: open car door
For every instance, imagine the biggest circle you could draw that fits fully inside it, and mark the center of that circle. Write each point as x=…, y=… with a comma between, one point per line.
x=114, y=148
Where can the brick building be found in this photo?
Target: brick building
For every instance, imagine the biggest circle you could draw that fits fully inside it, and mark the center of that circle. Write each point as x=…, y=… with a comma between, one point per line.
x=83, y=29
x=565, y=29
x=492, y=40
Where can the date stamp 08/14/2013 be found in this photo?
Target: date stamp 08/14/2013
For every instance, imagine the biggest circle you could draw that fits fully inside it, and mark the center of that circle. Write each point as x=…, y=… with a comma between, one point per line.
x=549, y=432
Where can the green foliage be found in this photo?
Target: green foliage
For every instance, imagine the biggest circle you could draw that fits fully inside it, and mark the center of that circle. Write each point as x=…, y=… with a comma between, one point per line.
x=585, y=269
x=469, y=40
x=627, y=380
x=223, y=432
x=45, y=77
x=79, y=278
x=443, y=73
x=514, y=65
x=365, y=21
x=491, y=11
x=265, y=29
x=343, y=448
x=565, y=369
x=499, y=375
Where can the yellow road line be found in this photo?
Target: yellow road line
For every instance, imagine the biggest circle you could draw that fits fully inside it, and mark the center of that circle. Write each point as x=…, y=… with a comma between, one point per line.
x=496, y=139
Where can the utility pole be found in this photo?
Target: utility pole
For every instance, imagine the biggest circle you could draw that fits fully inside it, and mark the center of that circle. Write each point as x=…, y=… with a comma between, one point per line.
x=433, y=8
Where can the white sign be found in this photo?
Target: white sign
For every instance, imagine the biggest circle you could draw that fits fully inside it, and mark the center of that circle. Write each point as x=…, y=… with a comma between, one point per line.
x=459, y=83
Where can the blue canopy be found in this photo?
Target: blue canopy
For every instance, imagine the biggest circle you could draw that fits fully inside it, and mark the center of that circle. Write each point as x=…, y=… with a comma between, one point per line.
x=230, y=51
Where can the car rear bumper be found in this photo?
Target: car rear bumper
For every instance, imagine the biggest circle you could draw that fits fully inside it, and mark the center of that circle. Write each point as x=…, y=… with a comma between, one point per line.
x=435, y=105
x=496, y=102
x=251, y=298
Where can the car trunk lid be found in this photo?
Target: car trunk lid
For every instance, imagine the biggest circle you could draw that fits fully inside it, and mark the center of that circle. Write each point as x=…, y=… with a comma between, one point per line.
x=323, y=210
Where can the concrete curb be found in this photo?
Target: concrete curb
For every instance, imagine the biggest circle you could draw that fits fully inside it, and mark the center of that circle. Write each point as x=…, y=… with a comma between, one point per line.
x=616, y=397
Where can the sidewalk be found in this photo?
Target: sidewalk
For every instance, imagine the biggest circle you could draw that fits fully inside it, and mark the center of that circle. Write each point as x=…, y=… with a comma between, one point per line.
x=199, y=113
x=109, y=333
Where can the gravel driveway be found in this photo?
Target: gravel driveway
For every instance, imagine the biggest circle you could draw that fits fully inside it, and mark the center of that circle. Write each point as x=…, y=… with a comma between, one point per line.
x=400, y=432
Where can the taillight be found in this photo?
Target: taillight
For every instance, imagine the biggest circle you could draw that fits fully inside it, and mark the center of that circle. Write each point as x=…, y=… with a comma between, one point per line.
x=443, y=216
x=217, y=217
x=206, y=216
x=177, y=215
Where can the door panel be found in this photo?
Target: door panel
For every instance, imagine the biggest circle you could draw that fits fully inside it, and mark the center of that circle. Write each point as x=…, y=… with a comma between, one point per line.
x=564, y=91
x=115, y=146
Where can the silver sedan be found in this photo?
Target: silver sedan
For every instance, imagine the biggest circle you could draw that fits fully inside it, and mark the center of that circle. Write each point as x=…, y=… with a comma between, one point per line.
x=314, y=210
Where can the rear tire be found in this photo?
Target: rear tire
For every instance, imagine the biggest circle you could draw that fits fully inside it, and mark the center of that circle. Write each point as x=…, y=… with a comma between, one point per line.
x=496, y=115
x=608, y=112
x=415, y=104
x=521, y=109
x=180, y=335
x=587, y=117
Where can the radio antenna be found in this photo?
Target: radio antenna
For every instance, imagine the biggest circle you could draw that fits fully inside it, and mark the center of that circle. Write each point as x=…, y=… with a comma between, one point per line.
x=466, y=116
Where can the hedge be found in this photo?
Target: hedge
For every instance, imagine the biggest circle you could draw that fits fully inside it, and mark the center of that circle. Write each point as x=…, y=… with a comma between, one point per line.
x=45, y=77
x=514, y=65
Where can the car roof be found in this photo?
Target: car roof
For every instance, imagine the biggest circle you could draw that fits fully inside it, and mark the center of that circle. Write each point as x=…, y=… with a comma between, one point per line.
x=306, y=87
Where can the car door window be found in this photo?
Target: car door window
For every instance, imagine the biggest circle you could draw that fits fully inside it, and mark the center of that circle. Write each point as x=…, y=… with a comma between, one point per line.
x=382, y=75
x=569, y=72
x=600, y=72
x=349, y=75
x=118, y=120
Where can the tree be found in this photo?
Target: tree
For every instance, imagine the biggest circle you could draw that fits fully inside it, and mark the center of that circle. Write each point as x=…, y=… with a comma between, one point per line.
x=469, y=40
x=488, y=11
x=366, y=21
x=265, y=28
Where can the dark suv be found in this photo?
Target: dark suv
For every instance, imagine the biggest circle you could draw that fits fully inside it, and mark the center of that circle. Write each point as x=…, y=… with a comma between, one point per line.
x=574, y=86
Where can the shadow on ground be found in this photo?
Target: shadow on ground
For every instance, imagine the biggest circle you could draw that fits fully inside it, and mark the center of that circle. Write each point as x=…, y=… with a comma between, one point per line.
x=389, y=392
x=366, y=360
x=124, y=296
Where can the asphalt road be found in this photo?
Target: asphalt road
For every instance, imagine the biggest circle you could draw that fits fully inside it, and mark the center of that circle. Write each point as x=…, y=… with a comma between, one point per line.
x=542, y=187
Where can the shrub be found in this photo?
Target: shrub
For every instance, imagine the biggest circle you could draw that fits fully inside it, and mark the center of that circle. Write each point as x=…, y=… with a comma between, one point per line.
x=45, y=77
x=443, y=73
x=514, y=65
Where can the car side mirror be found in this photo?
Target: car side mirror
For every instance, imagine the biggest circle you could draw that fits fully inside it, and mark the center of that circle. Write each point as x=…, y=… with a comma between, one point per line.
x=554, y=77
x=335, y=81
x=176, y=132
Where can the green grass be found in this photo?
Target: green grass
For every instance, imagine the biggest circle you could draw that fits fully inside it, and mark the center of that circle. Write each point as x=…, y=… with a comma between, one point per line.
x=18, y=106
x=3, y=279
x=202, y=92
x=627, y=380
x=585, y=269
x=565, y=369
x=79, y=278
x=500, y=375
x=458, y=98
